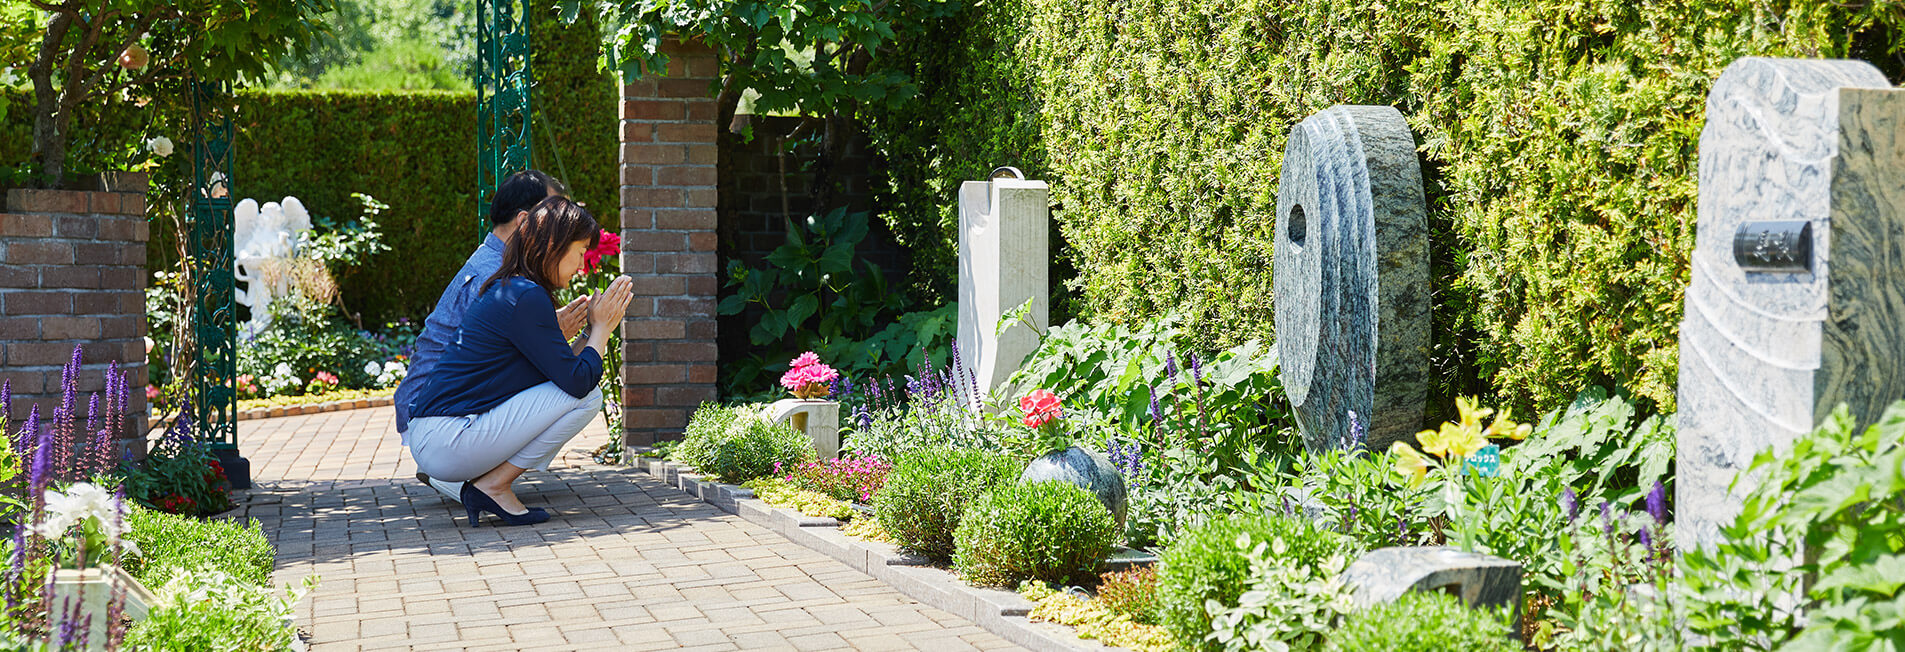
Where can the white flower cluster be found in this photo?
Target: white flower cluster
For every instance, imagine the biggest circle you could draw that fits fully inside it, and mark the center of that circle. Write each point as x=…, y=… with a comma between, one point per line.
x=73, y=508
x=388, y=374
x=282, y=380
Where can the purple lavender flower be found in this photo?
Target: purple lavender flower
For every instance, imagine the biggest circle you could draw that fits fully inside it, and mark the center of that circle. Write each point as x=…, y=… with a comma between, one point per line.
x=6, y=398
x=1197, y=370
x=1570, y=504
x=1356, y=433
x=1657, y=502
x=1646, y=540
x=1607, y=519
x=1170, y=367
x=1157, y=413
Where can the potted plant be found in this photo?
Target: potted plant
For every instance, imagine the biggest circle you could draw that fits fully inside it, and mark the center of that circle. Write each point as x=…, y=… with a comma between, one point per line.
x=811, y=382
x=1058, y=457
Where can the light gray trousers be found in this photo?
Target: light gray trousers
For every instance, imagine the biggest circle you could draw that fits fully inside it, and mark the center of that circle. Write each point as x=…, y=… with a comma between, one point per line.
x=528, y=430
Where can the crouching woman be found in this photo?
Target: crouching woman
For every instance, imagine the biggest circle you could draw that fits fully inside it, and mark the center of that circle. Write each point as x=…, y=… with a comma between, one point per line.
x=510, y=392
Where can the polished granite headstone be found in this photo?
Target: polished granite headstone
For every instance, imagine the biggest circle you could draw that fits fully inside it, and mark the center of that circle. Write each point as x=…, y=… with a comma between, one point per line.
x=1798, y=294
x=1384, y=574
x=1352, y=277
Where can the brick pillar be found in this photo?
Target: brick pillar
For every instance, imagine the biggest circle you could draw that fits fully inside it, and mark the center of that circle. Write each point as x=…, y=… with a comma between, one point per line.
x=72, y=271
x=669, y=156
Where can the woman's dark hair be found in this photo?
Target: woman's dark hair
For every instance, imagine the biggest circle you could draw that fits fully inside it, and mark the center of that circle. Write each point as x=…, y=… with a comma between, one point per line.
x=543, y=238
x=519, y=192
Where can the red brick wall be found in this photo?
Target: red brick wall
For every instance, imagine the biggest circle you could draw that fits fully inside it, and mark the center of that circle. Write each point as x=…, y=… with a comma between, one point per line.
x=72, y=271
x=669, y=200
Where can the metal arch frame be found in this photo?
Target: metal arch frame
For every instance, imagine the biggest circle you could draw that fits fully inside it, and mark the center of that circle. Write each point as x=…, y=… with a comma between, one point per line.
x=214, y=315
x=503, y=109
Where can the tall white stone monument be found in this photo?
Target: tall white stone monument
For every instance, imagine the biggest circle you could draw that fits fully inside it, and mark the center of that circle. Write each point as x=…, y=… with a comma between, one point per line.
x=1004, y=260
x=1797, y=301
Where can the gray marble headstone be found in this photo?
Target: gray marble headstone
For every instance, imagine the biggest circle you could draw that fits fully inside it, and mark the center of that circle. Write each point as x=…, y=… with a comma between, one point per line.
x=1352, y=277
x=1384, y=574
x=1798, y=293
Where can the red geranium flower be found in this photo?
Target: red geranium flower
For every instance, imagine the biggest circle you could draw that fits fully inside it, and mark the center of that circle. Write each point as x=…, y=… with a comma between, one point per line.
x=610, y=245
x=1040, y=407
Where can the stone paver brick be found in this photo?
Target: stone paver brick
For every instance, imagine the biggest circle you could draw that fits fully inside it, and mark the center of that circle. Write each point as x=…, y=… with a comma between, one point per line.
x=627, y=563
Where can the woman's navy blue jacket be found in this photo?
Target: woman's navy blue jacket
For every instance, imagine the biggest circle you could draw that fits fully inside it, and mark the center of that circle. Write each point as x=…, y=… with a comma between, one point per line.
x=509, y=342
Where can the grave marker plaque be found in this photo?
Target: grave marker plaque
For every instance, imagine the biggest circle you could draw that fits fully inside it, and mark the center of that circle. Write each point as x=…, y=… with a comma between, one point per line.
x=1352, y=277
x=1798, y=292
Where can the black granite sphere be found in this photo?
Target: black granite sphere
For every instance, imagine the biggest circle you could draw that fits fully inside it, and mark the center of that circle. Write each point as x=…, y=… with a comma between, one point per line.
x=1090, y=470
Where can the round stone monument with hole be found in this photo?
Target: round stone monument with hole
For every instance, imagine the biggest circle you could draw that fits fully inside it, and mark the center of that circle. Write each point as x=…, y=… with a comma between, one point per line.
x=1352, y=278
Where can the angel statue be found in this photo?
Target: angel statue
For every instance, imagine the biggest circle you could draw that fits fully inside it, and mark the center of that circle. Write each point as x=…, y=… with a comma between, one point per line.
x=265, y=239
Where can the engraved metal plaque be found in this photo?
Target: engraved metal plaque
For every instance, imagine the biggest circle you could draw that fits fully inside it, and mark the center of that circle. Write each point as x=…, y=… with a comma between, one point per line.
x=1774, y=246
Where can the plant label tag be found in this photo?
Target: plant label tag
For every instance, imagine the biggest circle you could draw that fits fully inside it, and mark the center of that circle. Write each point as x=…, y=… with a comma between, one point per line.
x=1487, y=462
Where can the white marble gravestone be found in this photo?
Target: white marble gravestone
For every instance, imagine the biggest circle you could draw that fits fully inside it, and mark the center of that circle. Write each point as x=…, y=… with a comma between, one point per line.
x=1352, y=277
x=1798, y=293
x=819, y=420
x=1003, y=261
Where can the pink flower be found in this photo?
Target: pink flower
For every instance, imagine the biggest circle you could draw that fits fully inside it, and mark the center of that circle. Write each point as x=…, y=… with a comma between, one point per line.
x=1040, y=407
x=807, y=359
x=610, y=245
x=152, y=392
x=808, y=378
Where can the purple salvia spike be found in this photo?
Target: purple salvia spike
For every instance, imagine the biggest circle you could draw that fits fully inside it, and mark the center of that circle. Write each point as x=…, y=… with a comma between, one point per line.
x=38, y=463
x=1197, y=370
x=1170, y=367
x=1657, y=502
x=122, y=400
x=6, y=399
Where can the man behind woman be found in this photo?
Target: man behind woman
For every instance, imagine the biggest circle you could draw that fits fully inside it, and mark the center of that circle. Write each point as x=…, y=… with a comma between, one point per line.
x=498, y=388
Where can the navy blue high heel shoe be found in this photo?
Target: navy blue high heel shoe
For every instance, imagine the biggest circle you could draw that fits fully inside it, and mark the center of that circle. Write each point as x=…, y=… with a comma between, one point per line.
x=475, y=502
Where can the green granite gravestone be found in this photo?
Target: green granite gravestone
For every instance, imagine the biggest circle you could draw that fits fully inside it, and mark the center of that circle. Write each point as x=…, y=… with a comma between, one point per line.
x=1798, y=293
x=1352, y=278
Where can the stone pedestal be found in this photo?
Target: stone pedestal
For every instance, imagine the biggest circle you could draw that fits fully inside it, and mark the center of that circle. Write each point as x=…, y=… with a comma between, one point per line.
x=1352, y=278
x=1797, y=301
x=1003, y=261
x=819, y=419
x=87, y=594
x=1384, y=574
x=72, y=272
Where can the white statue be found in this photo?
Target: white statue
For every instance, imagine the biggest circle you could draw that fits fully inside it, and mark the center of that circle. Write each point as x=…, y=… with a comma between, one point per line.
x=264, y=240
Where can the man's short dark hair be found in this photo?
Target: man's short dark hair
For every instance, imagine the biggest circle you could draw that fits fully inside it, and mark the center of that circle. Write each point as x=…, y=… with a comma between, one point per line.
x=519, y=193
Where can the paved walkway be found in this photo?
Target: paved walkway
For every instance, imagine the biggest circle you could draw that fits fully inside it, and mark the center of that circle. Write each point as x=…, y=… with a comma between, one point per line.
x=626, y=562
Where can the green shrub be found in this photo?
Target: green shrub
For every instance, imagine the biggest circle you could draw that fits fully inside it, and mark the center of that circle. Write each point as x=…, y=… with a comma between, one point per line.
x=734, y=444
x=206, y=609
x=169, y=543
x=1424, y=622
x=1053, y=531
x=927, y=491
x=1213, y=563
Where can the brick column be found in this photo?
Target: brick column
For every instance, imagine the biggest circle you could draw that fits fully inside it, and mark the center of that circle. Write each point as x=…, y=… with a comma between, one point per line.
x=72, y=271
x=669, y=156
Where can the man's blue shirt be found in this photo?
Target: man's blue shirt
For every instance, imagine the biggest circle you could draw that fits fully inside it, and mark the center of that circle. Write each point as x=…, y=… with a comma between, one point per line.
x=444, y=323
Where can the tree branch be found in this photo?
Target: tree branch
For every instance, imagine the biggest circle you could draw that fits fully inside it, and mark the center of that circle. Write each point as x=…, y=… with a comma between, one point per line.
x=145, y=22
x=75, y=87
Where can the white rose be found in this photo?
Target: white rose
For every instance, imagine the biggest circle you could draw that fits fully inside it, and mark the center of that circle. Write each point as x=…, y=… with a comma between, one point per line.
x=371, y=369
x=160, y=145
x=386, y=379
x=283, y=369
x=395, y=367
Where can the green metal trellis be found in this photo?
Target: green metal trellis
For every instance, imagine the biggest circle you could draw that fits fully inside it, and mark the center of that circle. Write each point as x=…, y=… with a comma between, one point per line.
x=503, y=109
x=214, y=317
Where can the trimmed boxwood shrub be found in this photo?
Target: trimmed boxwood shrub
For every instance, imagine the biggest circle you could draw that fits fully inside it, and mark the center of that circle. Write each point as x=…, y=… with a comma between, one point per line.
x=735, y=444
x=928, y=490
x=1424, y=622
x=1559, y=140
x=1053, y=531
x=1212, y=563
x=169, y=543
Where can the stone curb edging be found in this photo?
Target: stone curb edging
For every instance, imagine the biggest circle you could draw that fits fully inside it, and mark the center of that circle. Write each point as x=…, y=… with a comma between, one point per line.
x=998, y=611
x=299, y=410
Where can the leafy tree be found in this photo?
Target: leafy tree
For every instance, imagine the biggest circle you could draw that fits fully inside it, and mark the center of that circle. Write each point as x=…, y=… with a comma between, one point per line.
x=90, y=51
x=388, y=45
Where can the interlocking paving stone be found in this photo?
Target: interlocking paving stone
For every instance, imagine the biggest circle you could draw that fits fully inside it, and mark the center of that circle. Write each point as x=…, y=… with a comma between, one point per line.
x=627, y=561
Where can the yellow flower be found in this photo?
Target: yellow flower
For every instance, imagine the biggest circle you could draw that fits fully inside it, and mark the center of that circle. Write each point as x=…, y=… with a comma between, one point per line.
x=1472, y=412
x=1465, y=442
x=1409, y=463
x=1506, y=427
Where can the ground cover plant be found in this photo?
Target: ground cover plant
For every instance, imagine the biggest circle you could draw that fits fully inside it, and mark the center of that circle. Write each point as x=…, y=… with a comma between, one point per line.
x=736, y=444
x=170, y=544
x=1094, y=618
x=1425, y=622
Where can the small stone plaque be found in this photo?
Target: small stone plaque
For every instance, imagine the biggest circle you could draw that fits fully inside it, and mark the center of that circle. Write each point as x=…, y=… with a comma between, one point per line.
x=1352, y=277
x=1384, y=574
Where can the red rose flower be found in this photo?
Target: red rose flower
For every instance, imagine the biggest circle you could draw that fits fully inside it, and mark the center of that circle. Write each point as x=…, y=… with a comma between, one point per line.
x=1040, y=407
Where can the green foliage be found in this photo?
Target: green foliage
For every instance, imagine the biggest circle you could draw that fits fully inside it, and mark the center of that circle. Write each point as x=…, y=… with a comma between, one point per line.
x=816, y=294
x=1825, y=524
x=734, y=444
x=1053, y=531
x=1205, y=572
x=1286, y=605
x=1559, y=139
x=170, y=544
x=1424, y=622
x=928, y=491
x=180, y=475
x=387, y=45
x=780, y=493
x=208, y=609
x=307, y=338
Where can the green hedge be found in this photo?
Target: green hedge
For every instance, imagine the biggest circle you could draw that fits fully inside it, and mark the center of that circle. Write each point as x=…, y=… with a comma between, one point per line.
x=1559, y=140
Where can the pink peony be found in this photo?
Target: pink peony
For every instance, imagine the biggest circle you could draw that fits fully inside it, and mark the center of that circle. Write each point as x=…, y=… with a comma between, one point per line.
x=808, y=378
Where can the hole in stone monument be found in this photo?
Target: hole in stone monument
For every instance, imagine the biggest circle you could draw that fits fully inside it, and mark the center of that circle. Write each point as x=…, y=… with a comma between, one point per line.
x=1296, y=226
